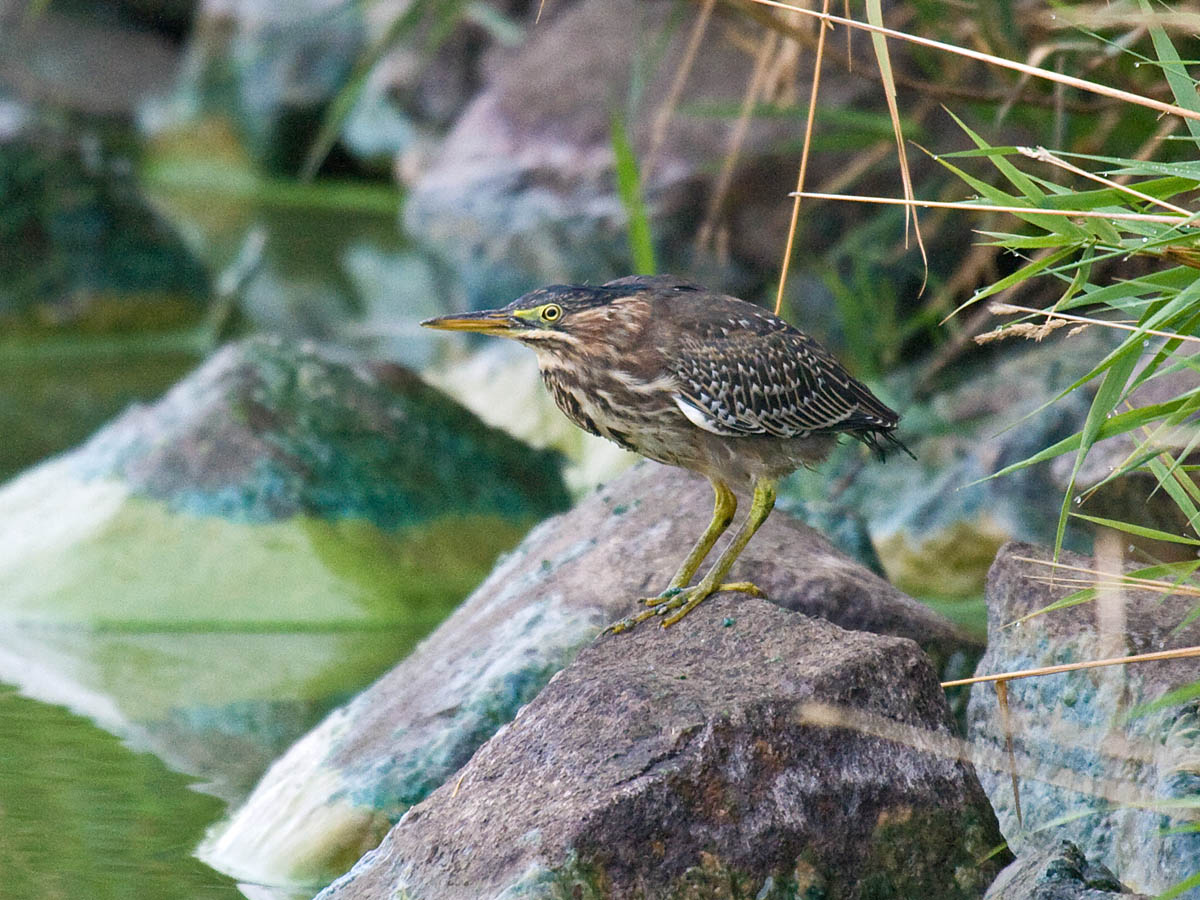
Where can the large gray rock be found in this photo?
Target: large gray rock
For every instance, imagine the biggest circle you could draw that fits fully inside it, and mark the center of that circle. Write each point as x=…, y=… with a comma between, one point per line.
x=274, y=70
x=1092, y=768
x=687, y=764
x=327, y=800
x=522, y=191
x=1057, y=872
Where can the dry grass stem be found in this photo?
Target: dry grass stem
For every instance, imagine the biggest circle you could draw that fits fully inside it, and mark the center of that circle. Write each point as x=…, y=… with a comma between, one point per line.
x=1149, y=584
x=1101, y=16
x=1034, y=60
x=987, y=207
x=662, y=118
x=1124, y=581
x=1026, y=330
x=879, y=42
x=849, y=51
x=754, y=90
x=1068, y=80
x=1181, y=653
x=808, y=127
x=1043, y=155
x=1006, y=309
x=1006, y=725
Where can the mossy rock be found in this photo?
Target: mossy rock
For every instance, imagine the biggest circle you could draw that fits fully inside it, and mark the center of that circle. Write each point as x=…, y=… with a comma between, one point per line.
x=209, y=574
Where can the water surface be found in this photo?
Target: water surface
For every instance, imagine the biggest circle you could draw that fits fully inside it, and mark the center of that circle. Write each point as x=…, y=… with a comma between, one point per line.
x=82, y=815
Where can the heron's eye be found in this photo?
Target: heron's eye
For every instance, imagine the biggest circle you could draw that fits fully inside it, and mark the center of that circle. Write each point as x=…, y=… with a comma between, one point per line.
x=552, y=312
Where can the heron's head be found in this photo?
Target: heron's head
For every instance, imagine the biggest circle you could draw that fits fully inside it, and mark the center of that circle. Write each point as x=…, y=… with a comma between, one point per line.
x=562, y=320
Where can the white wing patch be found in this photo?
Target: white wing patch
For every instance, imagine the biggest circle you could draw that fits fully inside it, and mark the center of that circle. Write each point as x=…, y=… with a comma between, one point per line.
x=702, y=419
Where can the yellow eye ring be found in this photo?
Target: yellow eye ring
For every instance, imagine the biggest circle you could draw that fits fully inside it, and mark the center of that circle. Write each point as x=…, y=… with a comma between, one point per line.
x=551, y=312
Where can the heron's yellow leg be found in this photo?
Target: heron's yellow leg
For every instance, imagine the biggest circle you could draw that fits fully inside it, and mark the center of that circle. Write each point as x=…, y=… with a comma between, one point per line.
x=724, y=506
x=760, y=508
x=684, y=600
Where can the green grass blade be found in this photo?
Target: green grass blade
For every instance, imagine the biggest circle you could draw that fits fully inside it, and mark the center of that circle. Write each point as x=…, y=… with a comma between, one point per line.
x=1109, y=427
x=1177, y=492
x=1139, y=530
x=629, y=188
x=1025, y=272
x=1053, y=224
x=1182, y=887
x=1019, y=179
x=1180, y=572
x=1112, y=388
x=1182, y=85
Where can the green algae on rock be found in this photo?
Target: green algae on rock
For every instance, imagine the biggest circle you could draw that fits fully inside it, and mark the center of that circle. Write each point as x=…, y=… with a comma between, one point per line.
x=268, y=429
x=209, y=574
x=1096, y=766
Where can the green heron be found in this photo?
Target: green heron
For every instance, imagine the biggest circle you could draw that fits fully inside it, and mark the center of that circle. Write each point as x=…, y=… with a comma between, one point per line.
x=695, y=379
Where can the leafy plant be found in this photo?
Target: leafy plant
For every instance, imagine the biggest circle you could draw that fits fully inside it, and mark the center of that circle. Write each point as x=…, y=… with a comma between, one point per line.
x=1125, y=257
x=1112, y=241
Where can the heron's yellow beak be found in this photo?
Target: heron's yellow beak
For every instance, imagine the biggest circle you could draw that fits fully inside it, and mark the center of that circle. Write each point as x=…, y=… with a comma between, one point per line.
x=492, y=321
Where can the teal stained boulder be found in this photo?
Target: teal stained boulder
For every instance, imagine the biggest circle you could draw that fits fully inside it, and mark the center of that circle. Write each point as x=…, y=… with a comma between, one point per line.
x=1104, y=757
x=270, y=429
x=208, y=574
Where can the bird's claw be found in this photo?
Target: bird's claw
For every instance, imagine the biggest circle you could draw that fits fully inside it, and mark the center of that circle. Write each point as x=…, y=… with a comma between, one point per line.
x=662, y=598
x=678, y=602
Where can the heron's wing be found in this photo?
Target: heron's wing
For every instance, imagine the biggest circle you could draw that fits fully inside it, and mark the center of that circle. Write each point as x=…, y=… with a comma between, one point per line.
x=780, y=383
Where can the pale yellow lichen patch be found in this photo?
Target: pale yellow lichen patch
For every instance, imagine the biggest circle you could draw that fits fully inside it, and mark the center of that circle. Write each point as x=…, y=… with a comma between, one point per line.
x=896, y=815
x=952, y=562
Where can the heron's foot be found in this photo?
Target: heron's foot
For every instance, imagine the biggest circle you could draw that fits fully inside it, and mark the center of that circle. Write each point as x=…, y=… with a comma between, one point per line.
x=675, y=603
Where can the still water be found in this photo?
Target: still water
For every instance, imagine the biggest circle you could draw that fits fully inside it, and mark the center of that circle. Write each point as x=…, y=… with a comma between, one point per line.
x=82, y=815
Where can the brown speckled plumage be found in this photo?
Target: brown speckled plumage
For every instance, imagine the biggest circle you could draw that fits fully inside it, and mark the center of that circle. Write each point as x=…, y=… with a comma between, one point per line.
x=753, y=395
x=693, y=379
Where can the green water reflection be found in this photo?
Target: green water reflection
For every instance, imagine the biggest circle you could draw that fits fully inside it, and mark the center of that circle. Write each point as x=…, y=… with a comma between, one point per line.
x=213, y=644
x=82, y=815
x=54, y=392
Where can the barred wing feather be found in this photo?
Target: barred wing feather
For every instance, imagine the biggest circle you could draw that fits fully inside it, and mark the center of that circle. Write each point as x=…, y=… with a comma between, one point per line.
x=781, y=384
